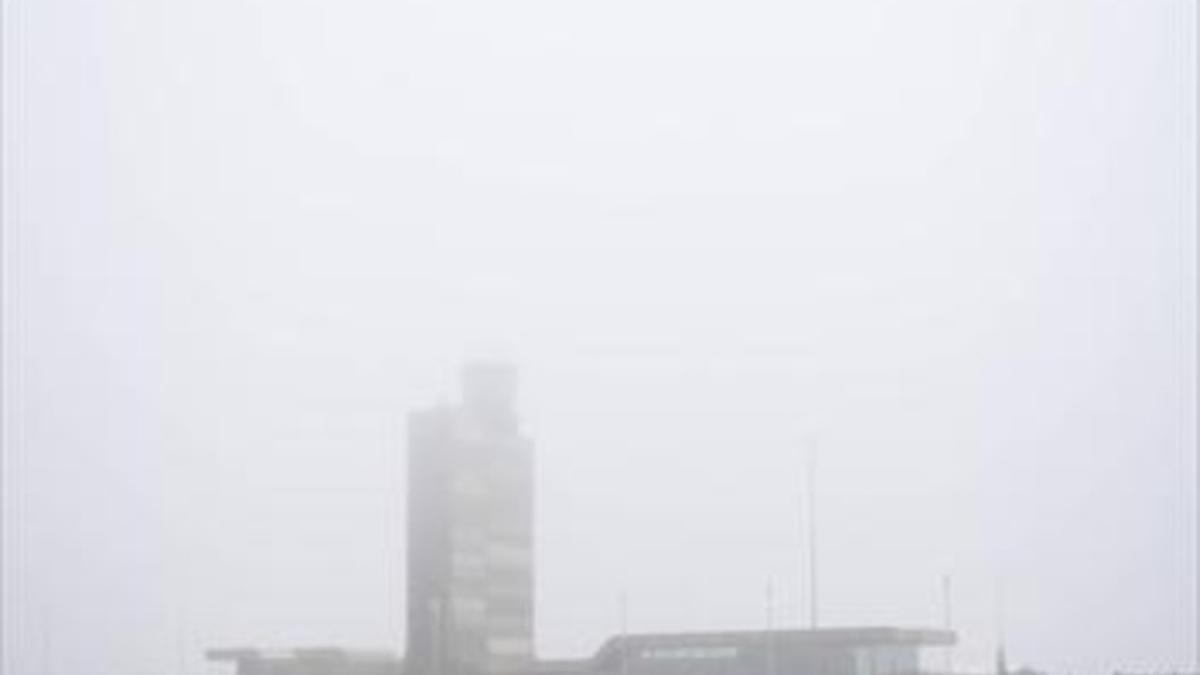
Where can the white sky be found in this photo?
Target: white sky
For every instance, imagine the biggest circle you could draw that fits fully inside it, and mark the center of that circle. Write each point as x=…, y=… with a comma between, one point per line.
x=954, y=240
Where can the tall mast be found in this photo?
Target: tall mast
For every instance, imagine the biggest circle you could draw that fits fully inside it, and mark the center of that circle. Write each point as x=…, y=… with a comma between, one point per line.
x=624, y=612
x=770, y=611
x=947, y=621
x=813, y=588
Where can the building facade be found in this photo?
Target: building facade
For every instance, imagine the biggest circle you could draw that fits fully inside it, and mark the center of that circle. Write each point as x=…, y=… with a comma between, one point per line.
x=470, y=532
x=828, y=651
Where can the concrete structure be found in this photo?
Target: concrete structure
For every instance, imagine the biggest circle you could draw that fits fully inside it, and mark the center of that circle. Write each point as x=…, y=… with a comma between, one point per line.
x=470, y=532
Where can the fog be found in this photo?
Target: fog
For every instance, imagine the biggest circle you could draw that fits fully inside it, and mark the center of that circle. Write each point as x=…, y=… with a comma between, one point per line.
x=947, y=248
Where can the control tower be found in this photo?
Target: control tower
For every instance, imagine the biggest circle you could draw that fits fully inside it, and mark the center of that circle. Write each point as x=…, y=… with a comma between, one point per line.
x=470, y=532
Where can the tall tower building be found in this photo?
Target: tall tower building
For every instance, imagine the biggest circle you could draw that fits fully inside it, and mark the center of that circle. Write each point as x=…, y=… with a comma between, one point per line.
x=470, y=532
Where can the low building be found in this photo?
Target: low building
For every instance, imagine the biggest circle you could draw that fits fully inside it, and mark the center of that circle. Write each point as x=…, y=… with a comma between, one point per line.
x=833, y=651
x=314, y=661
x=830, y=651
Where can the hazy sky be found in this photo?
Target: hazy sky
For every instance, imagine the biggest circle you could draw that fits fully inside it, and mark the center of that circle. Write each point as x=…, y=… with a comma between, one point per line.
x=954, y=242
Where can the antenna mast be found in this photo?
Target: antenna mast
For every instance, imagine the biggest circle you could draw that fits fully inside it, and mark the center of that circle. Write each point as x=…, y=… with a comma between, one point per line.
x=813, y=589
x=624, y=610
x=770, y=655
x=947, y=621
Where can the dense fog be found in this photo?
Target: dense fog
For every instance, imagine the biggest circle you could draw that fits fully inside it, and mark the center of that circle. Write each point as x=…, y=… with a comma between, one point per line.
x=940, y=254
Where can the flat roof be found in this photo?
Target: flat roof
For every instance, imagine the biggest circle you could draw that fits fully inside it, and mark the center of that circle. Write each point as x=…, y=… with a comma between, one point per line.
x=826, y=637
x=301, y=654
x=823, y=637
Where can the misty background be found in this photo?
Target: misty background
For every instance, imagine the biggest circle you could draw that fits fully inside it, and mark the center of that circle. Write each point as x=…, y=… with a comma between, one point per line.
x=952, y=244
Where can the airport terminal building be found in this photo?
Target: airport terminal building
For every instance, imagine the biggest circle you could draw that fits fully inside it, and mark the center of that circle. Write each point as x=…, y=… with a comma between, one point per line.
x=829, y=651
x=471, y=577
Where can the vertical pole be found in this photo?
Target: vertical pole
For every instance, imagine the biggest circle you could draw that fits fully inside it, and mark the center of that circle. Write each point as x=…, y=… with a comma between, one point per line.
x=813, y=590
x=802, y=530
x=947, y=621
x=624, y=611
x=770, y=653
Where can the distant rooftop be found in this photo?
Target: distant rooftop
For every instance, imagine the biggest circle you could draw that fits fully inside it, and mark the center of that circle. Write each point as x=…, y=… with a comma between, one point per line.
x=850, y=637
x=824, y=637
x=239, y=654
